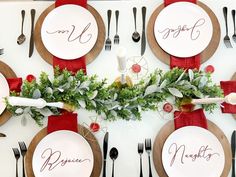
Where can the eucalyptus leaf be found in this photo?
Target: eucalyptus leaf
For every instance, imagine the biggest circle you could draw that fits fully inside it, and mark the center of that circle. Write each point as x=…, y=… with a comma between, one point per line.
x=115, y=96
x=82, y=104
x=158, y=80
x=19, y=111
x=85, y=85
x=94, y=103
x=163, y=84
x=152, y=89
x=49, y=90
x=180, y=77
x=70, y=79
x=93, y=95
x=60, y=89
x=203, y=82
x=175, y=92
x=198, y=94
x=36, y=94
x=60, y=78
x=190, y=75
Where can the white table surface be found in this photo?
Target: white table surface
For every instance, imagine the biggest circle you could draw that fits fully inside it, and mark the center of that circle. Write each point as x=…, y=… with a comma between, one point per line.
x=123, y=135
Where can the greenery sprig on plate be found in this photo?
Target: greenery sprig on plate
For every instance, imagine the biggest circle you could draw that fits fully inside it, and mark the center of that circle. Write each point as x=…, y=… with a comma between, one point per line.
x=115, y=101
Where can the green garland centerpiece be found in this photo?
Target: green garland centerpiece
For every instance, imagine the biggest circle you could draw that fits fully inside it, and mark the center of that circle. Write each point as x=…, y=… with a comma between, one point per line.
x=116, y=101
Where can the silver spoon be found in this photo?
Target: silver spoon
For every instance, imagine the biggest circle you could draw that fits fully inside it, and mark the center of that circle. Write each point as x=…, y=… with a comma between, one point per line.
x=21, y=38
x=135, y=35
x=113, y=155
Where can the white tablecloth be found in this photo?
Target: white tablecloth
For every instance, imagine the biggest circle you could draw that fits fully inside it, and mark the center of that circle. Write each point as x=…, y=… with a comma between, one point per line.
x=123, y=135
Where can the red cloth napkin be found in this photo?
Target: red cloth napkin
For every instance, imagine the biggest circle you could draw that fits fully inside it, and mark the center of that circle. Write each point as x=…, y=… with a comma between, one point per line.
x=185, y=63
x=195, y=118
x=14, y=84
x=66, y=121
x=76, y=64
x=228, y=87
x=168, y=2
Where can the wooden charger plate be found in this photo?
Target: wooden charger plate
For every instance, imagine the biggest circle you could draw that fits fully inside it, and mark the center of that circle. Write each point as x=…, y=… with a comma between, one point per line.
x=165, y=57
x=234, y=78
x=7, y=73
x=82, y=131
x=168, y=128
x=48, y=57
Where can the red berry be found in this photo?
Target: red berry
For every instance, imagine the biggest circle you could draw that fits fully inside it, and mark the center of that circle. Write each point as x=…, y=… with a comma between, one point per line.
x=209, y=69
x=167, y=107
x=94, y=127
x=30, y=78
x=136, y=68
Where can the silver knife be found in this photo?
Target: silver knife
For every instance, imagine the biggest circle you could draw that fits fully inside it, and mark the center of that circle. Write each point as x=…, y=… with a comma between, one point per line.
x=2, y=135
x=143, y=38
x=233, y=146
x=105, y=147
x=31, y=45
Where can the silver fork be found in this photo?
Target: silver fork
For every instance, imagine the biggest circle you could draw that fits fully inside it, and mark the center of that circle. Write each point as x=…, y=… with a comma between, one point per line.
x=234, y=35
x=17, y=156
x=23, y=150
x=108, y=40
x=117, y=37
x=226, y=38
x=140, y=151
x=148, y=148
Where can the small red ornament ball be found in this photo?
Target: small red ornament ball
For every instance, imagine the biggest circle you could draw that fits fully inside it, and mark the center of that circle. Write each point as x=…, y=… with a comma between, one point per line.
x=167, y=107
x=136, y=68
x=30, y=78
x=209, y=69
x=94, y=127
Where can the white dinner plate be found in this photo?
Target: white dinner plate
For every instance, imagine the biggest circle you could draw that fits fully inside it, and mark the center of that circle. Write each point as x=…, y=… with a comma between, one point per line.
x=183, y=29
x=4, y=92
x=63, y=153
x=193, y=152
x=69, y=31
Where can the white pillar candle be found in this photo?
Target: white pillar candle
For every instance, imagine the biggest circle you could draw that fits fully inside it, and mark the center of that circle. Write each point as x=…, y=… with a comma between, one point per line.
x=121, y=57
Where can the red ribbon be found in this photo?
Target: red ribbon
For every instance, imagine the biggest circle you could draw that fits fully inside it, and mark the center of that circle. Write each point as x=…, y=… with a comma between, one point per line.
x=195, y=118
x=228, y=87
x=76, y=64
x=185, y=63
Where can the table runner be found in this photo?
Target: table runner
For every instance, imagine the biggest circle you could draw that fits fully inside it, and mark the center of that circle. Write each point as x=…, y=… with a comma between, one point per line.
x=185, y=63
x=76, y=64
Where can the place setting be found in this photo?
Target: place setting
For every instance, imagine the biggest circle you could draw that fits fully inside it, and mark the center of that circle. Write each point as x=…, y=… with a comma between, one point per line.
x=52, y=40
x=186, y=31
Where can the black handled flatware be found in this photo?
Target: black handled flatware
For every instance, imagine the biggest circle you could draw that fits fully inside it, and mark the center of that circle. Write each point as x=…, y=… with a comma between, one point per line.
x=23, y=150
x=233, y=16
x=2, y=135
x=148, y=148
x=17, y=156
x=140, y=151
x=226, y=38
x=113, y=155
x=31, y=45
x=21, y=38
x=233, y=147
x=105, y=147
x=143, y=38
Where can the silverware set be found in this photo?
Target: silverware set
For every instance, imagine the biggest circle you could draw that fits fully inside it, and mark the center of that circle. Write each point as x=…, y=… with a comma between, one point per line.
x=22, y=153
x=148, y=149
x=226, y=39
x=113, y=155
x=108, y=42
x=21, y=38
